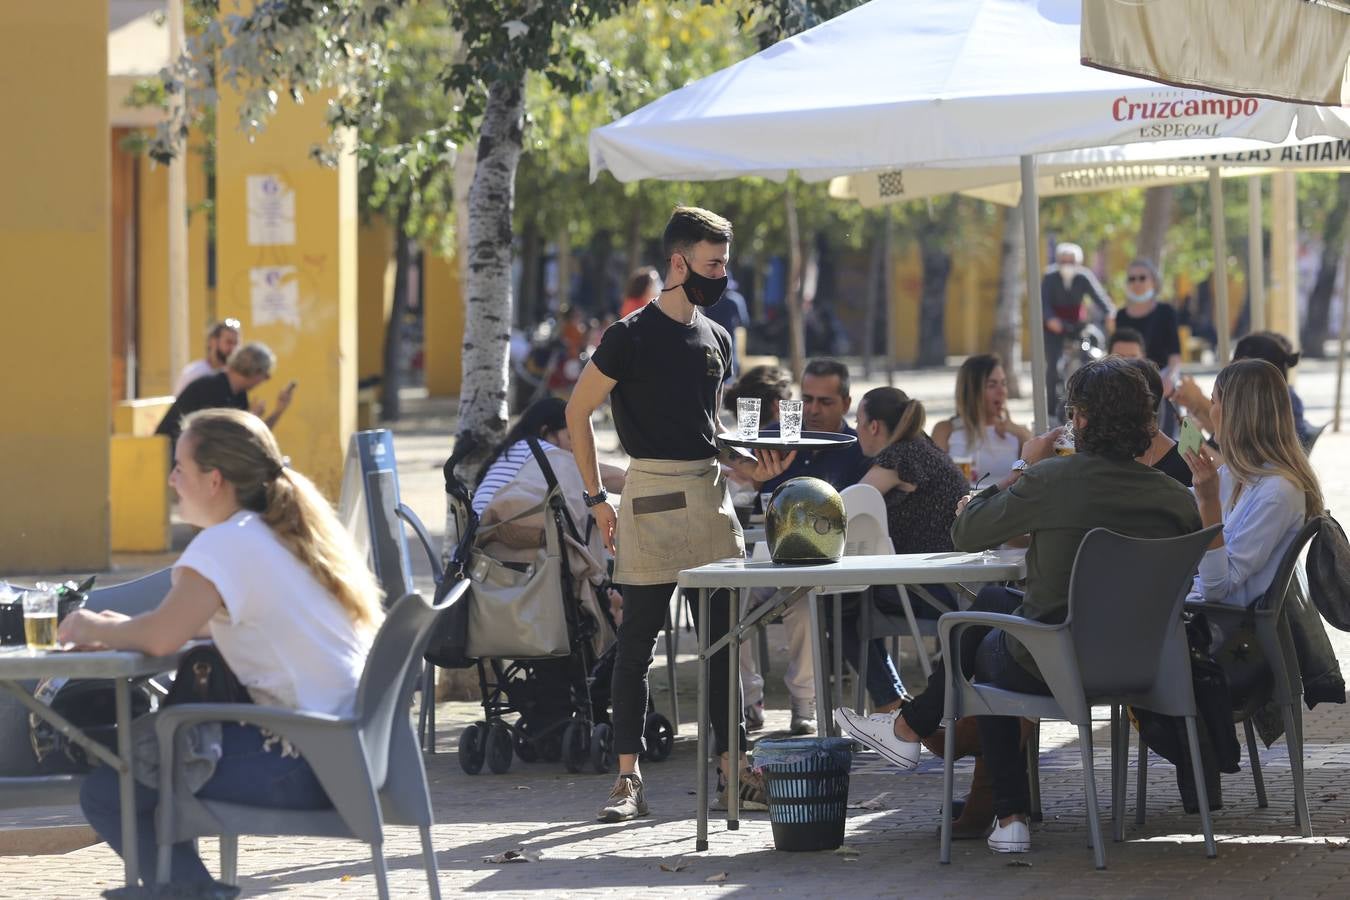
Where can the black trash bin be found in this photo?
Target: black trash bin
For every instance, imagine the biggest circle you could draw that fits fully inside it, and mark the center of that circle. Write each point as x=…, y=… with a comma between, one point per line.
x=807, y=784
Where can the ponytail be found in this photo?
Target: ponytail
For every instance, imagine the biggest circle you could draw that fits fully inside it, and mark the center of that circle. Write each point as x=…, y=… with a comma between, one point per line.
x=902, y=415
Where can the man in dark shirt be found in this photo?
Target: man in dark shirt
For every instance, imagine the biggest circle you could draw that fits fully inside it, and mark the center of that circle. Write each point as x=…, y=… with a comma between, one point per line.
x=247, y=367
x=662, y=368
x=1066, y=288
x=1058, y=500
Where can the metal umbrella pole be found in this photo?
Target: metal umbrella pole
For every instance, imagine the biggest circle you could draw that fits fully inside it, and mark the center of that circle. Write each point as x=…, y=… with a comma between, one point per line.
x=1031, y=229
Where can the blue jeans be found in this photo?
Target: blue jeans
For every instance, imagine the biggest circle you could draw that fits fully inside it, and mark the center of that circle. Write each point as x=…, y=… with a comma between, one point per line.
x=246, y=774
x=883, y=680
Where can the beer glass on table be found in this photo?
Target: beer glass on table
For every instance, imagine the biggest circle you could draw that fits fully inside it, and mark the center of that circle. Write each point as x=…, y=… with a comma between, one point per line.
x=39, y=618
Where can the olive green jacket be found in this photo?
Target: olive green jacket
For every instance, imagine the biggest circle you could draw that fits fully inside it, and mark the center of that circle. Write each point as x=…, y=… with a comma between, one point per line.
x=1058, y=501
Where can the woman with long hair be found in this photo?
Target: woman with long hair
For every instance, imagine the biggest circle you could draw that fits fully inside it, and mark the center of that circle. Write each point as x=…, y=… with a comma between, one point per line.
x=982, y=430
x=278, y=584
x=1264, y=491
x=1275, y=349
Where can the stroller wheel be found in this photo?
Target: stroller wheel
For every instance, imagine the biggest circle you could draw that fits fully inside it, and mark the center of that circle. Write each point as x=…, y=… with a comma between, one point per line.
x=575, y=745
x=660, y=737
x=500, y=747
x=524, y=749
x=602, y=748
x=471, y=747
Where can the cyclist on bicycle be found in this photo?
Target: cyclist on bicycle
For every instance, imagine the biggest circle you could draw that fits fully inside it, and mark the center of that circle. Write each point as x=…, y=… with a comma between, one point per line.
x=1065, y=290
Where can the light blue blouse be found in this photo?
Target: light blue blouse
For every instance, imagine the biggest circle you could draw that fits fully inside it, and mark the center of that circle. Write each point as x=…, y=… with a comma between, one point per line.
x=1257, y=532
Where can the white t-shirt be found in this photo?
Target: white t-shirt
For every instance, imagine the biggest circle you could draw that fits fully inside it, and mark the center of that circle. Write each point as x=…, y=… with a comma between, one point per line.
x=503, y=469
x=198, y=368
x=994, y=455
x=287, y=639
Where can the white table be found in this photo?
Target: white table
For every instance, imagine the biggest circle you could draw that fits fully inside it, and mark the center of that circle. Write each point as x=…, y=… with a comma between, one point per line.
x=798, y=581
x=18, y=664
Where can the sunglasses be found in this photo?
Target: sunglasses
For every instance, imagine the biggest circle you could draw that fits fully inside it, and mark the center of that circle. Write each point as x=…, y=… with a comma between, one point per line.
x=232, y=324
x=1134, y=278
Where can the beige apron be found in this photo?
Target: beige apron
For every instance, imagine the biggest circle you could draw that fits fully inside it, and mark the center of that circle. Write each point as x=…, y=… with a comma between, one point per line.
x=675, y=514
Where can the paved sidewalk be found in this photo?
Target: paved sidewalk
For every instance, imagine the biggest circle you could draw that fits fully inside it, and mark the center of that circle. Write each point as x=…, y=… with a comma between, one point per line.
x=891, y=850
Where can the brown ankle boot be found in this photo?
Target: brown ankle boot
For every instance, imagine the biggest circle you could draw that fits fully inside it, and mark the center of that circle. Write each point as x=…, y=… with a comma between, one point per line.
x=978, y=813
x=967, y=739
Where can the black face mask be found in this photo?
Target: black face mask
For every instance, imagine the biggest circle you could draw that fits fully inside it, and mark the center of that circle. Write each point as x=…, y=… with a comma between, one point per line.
x=700, y=289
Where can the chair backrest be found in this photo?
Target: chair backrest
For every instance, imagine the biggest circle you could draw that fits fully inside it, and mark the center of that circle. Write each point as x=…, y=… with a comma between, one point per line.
x=1273, y=599
x=1125, y=601
x=1312, y=438
x=867, y=532
x=132, y=597
x=394, y=661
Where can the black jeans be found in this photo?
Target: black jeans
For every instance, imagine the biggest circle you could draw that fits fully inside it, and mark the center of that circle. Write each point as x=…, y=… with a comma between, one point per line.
x=924, y=712
x=644, y=615
x=985, y=654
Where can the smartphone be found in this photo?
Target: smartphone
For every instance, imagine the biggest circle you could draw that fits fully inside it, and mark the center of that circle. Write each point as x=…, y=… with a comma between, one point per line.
x=1191, y=437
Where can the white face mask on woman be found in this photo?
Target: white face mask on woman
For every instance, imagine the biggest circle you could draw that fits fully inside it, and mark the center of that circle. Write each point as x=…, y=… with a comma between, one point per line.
x=1140, y=298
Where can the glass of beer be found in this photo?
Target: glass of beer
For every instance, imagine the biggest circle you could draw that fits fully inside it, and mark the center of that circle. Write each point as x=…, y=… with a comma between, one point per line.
x=1064, y=442
x=790, y=420
x=747, y=418
x=967, y=466
x=39, y=618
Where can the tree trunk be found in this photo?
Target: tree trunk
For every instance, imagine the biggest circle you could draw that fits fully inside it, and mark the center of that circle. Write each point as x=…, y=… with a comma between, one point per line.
x=876, y=273
x=634, y=237
x=1007, y=339
x=793, y=299
x=935, y=241
x=1314, y=332
x=1153, y=224
x=487, y=290
x=393, y=333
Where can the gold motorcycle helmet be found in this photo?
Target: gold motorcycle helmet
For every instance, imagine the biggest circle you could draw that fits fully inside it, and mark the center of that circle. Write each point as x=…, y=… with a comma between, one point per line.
x=805, y=522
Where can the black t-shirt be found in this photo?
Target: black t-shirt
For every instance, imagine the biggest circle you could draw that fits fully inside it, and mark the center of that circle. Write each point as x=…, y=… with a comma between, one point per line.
x=210, y=392
x=1174, y=465
x=1159, y=329
x=669, y=376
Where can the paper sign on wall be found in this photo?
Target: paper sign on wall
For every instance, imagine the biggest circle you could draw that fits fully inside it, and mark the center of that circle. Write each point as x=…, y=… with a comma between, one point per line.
x=274, y=292
x=271, y=211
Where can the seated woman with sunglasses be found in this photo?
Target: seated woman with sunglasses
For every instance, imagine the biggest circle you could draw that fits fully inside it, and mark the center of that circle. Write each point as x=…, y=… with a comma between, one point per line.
x=278, y=584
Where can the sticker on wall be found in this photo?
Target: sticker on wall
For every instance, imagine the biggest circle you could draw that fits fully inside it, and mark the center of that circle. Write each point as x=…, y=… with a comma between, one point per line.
x=271, y=211
x=274, y=292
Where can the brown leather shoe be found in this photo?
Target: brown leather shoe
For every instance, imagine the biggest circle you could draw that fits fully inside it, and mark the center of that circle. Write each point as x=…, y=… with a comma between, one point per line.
x=967, y=739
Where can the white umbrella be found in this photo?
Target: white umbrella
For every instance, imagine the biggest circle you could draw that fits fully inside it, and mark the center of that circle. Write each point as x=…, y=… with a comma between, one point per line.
x=934, y=83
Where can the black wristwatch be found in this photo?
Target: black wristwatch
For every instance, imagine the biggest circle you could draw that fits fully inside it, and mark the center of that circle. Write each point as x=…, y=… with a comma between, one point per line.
x=594, y=499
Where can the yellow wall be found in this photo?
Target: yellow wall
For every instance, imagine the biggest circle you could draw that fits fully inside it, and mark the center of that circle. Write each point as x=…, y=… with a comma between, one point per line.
x=55, y=260
x=153, y=378
x=317, y=347
x=442, y=325
x=140, y=494
x=374, y=293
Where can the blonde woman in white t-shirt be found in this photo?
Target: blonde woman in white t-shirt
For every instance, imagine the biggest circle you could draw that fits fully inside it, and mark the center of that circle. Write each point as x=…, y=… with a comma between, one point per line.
x=981, y=430
x=277, y=583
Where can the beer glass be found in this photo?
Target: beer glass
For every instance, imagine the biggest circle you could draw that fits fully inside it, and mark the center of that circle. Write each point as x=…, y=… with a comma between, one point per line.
x=1064, y=443
x=790, y=420
x=967, y=466
x=39, y=618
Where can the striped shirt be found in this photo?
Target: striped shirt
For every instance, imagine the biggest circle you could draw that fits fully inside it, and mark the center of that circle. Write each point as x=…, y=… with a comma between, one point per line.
x=504, y=468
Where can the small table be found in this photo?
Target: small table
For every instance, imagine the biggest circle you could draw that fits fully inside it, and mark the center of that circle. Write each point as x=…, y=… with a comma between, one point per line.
x=121, y=667
x=800, y=580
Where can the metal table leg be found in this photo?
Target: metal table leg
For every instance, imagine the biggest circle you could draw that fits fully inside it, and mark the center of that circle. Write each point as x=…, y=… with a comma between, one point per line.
x=733, y=715
x=701, y=835
x=823, y=716
x=126, y=784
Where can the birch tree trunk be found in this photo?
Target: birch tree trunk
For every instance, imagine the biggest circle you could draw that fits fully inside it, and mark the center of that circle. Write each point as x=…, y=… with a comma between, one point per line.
x=1007, y=339
x=487, y=286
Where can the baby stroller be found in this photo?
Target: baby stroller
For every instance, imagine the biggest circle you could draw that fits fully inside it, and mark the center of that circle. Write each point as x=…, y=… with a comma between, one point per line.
x=557, y=717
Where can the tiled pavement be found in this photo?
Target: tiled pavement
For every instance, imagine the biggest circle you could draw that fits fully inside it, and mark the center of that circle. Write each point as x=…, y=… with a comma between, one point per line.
x=891, y=851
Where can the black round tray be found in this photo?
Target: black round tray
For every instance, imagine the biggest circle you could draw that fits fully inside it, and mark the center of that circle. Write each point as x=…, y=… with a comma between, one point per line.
x=811, y=440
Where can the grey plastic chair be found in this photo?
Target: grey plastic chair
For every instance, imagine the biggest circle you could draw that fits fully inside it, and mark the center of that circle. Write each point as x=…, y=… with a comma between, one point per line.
x=132, y=597
x=1271, y=626
x=369, y=763
x=1121, y=643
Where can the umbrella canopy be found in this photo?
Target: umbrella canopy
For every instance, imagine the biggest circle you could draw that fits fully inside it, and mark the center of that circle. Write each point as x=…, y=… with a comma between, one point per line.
x=921, y=83
x=1286, y=49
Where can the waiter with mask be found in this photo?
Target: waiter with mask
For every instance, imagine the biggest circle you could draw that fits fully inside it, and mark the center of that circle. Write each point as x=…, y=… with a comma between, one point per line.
x=662, y=368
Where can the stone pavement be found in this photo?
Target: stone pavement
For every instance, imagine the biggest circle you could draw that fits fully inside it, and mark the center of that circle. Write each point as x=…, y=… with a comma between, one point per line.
x=891, y=849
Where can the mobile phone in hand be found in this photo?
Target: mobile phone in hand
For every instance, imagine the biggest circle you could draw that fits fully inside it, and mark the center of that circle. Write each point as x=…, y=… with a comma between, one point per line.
x=1191, y=437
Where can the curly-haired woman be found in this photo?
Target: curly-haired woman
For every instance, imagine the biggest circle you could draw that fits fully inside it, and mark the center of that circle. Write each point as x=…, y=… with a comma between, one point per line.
x=1058, y=500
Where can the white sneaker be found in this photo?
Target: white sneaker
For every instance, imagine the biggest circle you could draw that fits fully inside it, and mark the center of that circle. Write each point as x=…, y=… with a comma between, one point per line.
x=1015, y=837
x=878, y=732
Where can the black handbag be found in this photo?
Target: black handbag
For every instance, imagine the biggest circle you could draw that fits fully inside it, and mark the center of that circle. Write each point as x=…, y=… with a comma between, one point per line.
x=204, y=677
